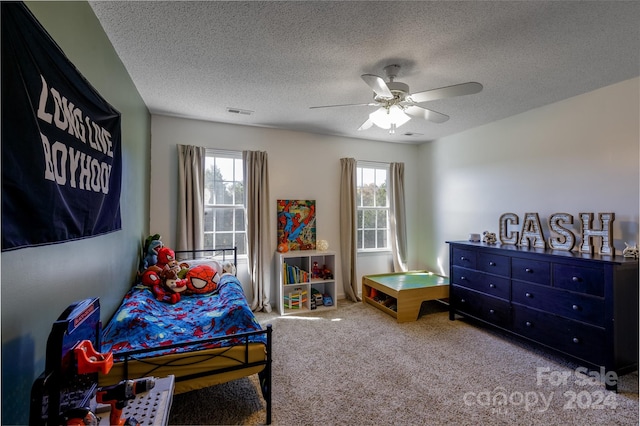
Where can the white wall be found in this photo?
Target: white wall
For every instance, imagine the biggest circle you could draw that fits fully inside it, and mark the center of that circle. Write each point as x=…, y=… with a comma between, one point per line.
x=301, y=166
x=578, y=155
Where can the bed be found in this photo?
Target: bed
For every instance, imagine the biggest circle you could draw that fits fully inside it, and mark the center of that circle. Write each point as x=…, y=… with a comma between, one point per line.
x=203, y=340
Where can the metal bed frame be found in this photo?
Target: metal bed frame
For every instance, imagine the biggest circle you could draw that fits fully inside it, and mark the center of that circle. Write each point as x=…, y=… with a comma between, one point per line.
x=243, y=338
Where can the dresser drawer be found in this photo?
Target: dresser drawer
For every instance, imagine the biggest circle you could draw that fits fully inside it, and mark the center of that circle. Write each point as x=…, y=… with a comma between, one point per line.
x=485, y=283
x=579, y=279
x=487, y=308
x=575, y=306
x=580, y=340
x=584, y=306
x=463, y=257
x=494, y=264
x=531, y=270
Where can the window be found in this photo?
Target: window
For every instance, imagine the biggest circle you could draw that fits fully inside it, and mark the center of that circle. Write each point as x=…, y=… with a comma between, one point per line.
x=224, y=220
x=372, y=206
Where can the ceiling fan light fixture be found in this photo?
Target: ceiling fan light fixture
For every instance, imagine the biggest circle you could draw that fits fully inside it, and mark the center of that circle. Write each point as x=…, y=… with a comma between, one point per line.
x=397, y=105
x=389, y=118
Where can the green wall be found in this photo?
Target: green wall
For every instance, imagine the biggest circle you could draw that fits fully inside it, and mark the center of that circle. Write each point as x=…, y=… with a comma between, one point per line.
x=37, y=284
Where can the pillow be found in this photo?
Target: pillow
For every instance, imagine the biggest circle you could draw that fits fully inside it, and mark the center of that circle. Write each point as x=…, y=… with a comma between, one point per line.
x=191, y=263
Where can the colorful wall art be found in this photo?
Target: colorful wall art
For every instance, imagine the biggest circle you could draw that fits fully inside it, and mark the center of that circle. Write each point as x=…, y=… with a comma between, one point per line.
x=296, y=225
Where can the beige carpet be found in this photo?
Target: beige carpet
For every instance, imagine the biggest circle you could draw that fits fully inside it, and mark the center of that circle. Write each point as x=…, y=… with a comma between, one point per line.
x=357, y=366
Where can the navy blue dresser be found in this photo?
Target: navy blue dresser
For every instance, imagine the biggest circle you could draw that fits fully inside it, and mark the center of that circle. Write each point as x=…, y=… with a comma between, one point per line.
x=583, y=306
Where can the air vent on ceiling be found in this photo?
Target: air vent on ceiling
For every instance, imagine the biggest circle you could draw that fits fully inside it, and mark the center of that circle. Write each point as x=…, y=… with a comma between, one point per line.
x=239, y=111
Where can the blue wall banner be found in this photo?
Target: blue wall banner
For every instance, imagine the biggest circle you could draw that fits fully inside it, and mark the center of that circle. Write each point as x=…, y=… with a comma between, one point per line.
x=61, y=152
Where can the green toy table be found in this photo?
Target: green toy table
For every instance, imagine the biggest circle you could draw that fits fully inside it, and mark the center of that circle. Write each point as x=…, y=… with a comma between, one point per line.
x=405, y=290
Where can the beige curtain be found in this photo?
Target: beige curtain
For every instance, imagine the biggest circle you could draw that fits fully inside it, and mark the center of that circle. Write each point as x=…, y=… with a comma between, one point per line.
x=190, y=197
x=348, y=228
x=256, y=184
x=398, y=217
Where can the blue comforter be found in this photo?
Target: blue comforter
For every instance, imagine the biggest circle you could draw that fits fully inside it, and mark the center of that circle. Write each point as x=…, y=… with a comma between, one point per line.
x=141, y=321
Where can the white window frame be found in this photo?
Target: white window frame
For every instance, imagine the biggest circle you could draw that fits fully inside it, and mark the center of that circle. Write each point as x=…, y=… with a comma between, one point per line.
x=239, y=229
x=361, y=167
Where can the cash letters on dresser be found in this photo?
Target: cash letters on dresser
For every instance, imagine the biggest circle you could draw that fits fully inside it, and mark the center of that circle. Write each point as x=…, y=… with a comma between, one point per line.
x=584, y=306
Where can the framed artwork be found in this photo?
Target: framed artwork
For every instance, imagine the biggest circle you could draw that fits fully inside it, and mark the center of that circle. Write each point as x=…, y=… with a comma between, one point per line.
x=296, y=225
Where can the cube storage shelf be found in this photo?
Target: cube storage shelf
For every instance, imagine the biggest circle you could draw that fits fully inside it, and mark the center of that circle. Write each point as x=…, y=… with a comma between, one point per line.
x=298, y=285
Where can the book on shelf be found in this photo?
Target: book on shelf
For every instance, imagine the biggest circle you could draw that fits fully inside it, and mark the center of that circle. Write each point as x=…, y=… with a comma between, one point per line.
x=294, y=275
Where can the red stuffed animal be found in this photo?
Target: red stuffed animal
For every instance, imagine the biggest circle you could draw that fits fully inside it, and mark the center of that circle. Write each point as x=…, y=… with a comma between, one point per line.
x=201, y=279
x=162, y=277
x=163, y=283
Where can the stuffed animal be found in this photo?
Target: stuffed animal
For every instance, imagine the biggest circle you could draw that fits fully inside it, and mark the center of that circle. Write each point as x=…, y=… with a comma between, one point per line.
x=163, y=277
x=166, y=256
x=228, y=268
x=201, y=279
x=150, y=251
x=163, y=283
x=172, y=282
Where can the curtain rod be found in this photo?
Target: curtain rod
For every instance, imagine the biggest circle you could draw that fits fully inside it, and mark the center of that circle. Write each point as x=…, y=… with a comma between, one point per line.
x=227, y=152
x=373, y=162
x=386, y=163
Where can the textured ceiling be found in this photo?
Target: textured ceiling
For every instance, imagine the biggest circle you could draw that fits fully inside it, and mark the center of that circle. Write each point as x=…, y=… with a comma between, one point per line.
x=277, y=59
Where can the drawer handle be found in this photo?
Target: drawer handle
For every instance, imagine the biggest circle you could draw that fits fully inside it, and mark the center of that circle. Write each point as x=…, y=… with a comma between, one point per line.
x=528, y=323
x=576, y=340
x=529, y=295
x=575, y=307
x=492, y=263
x=463, y=258
x=463, y=301
x=463, y=278
x=491, y=311
x=576, y=279
x=529, y=270
x=492, y=286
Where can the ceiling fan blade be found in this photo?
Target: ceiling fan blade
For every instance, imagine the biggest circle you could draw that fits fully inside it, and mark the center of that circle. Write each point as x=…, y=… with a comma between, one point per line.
x=427, y=114
x=366, y=125
x=378, y=85
x=344, y=105
x=447, y=92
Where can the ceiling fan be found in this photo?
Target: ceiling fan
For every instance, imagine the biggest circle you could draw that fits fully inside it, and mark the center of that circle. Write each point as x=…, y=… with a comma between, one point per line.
x=396, y=105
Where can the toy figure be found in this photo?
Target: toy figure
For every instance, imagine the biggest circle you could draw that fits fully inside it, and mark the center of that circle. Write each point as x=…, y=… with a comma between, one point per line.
x=315, y=270
x=326, y=273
